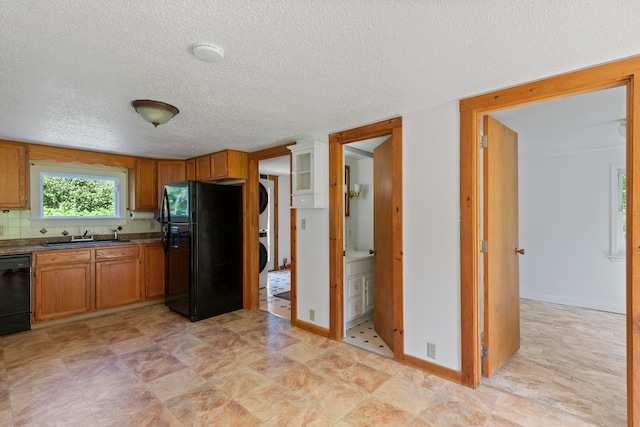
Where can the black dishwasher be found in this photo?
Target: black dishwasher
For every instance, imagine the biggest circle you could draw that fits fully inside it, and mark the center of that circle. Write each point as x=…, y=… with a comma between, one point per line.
x=15, y=293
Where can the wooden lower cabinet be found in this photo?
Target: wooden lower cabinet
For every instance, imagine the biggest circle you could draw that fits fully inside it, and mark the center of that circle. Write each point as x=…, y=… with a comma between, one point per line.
x=117, y=276
x=76, y=281
x=117, y=283
x=153, y=271
x=61, y=291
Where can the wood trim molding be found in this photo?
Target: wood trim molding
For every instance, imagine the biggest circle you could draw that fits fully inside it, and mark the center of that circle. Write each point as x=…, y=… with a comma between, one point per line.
x=46, y=152
x=624, y=72
x=250, y=287
x=270, y=153
x=274, y=236
x=323, y=332
x=432, y=368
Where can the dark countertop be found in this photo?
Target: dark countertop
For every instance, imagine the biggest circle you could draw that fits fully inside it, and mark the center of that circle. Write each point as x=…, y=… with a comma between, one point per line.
x=8, y=247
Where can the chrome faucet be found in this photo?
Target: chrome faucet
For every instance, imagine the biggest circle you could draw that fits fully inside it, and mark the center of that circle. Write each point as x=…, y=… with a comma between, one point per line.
x=115, y=234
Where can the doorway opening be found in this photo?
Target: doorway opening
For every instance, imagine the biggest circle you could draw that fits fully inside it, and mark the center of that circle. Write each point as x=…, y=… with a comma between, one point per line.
x=274, y=227
x=571, y=287
x=387, y=242
x=619, y=73
x=359, y=246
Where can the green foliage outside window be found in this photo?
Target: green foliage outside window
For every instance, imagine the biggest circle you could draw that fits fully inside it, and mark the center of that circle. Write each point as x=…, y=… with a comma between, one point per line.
x=78, y=197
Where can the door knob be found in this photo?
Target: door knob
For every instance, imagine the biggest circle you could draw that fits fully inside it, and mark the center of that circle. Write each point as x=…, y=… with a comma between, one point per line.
x=371, y=252
x=519, y=251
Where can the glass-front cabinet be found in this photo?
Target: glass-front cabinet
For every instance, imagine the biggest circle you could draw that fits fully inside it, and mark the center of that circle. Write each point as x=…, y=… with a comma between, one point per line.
x=307, y=175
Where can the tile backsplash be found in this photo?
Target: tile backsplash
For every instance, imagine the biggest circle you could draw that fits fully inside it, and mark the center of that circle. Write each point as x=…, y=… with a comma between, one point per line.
x=16, y=224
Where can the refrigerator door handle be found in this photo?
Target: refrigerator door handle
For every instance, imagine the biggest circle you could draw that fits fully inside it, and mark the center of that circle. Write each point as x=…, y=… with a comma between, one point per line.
x=165, y=223
x=175, y=238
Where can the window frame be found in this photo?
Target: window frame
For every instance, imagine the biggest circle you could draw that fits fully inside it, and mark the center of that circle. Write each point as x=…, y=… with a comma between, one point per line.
x=617, y=233
x=118, y=174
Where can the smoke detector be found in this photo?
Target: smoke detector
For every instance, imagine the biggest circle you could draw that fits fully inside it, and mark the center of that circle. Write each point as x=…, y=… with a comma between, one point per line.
x=208, y=52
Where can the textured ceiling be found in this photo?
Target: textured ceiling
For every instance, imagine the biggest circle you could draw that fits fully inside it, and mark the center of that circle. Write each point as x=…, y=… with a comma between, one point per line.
x=293, y=68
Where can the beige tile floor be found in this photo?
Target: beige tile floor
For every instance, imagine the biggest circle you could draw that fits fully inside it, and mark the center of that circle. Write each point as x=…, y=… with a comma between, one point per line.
x=152, y=367
x=571, y=359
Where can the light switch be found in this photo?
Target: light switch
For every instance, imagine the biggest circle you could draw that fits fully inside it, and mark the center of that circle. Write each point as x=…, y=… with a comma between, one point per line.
x=303, y=224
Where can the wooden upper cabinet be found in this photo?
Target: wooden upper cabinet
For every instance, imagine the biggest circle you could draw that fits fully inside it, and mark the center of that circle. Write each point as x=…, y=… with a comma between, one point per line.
x=14, y=175
x=143, y=185
x=221, y=165
x=191, y=169
x=170, y=171
x=229, y=164
x=203, y=167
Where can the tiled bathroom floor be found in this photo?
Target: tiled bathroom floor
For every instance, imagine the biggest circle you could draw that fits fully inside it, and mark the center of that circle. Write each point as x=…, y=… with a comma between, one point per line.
x=364, y=336
x=277, y=282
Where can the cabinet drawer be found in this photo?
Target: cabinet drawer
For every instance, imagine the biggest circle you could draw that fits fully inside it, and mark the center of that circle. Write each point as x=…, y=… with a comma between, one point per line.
x=354, y=308
x=359, y=267
x=307, y=201
x=129, y=251
x=62, y=257
x=354, y=287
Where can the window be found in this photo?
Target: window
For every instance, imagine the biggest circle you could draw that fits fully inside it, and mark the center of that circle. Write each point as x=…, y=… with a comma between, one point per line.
x=618, y=234
x=65, y=194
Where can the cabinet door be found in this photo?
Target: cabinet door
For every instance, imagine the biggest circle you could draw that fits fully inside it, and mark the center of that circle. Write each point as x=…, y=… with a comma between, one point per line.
x=154, y=271
x=145, y=176
x=203, y=167
x=61, y=290
x=302, y=173
x=14, y=175
x=170, y=171
x=117, y=282
x=219, y=165
x=191, y=169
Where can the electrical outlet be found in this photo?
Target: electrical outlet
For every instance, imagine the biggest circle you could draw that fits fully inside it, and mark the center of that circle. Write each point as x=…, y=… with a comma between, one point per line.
x=431, y=350
x=303, y=224
x=1, y=230
x=312, y=315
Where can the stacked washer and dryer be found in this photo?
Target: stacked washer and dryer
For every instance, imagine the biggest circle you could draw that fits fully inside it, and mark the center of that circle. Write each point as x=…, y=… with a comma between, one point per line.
x=263, y=226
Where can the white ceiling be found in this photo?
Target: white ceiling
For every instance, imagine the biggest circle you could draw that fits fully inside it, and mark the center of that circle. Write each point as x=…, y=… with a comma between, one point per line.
x=293, y=68
x=587, y=122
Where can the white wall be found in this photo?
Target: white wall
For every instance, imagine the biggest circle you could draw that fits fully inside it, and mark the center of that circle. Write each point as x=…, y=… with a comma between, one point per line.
x=431, y=230
x=284, y=219
x=313, y=257
x=564, y=209
x=351, y=222
x=364, y=203
x=431, y=239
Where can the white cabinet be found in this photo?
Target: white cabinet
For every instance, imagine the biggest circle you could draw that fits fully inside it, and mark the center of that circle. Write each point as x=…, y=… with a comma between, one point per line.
x=359, y=288
x=308, y=162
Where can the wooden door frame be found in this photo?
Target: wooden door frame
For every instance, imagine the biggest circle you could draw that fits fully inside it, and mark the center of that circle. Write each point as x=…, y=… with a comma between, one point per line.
x=619, y=73
x=391, y=127
x=274, y=232
x=252, y=255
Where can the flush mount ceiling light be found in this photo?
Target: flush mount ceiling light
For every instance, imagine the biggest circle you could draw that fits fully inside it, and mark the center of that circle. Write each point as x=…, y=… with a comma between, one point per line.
x=208, y=52
x=155, y=112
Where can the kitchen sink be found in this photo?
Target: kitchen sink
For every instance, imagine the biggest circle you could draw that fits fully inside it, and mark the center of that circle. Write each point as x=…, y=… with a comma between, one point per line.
x=85, y=242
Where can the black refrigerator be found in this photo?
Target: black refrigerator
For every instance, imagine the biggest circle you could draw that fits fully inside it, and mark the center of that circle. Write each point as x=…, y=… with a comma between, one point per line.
x=203, y=237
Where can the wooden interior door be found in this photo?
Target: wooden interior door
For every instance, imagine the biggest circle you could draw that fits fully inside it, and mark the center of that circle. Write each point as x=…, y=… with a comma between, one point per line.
x=501, y=281
x=382, y=238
